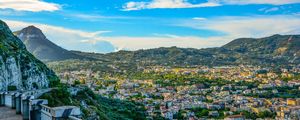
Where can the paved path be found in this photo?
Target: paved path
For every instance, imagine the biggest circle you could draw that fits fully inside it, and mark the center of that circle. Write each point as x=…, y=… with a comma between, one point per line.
x=7, y=113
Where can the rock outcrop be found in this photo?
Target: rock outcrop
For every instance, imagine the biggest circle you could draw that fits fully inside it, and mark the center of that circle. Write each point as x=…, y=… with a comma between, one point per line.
x=19, y=69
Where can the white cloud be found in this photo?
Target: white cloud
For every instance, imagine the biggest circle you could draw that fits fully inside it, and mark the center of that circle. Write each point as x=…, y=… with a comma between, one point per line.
x=268, y=10
x=252, y=26
x=199, y=18
x=86, y=41
x=245, y=2
x=66, y=38
x=233, y=27
x=271, y=9
x=165, y=4
x=11, y=13
x=209, y=3
x=135, y=43
x=28, y=5
x=88, y=17
x=95, y=17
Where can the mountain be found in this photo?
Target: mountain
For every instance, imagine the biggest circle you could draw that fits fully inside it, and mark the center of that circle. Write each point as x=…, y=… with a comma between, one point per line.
x=276, y=45
x=42, y=48
x=19, y=69
x=276, y=49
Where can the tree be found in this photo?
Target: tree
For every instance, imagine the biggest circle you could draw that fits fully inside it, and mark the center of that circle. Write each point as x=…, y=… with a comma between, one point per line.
x=180, y=115
x=76, y=82
x=265, y=114
x=11, y=88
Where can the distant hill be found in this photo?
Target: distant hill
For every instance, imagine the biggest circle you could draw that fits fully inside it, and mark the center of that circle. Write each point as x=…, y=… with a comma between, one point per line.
x=273, y=50
x=276, y=49
x=42, y=48
x=276, y=45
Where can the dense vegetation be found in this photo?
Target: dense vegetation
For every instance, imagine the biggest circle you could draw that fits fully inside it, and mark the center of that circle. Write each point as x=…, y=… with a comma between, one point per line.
x=171, y=79
x=96, y=106
x=276, y=49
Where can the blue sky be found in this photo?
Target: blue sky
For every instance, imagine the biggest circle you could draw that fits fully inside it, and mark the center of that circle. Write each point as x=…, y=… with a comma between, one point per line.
x=110, y=25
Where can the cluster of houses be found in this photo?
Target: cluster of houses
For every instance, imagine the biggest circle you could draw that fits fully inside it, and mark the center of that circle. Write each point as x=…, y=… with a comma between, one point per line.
x=231, y=98
x=226, y=101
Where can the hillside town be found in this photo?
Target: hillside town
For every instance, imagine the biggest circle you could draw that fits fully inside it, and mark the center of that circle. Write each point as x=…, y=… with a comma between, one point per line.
x=231, y=93
x=149, y=60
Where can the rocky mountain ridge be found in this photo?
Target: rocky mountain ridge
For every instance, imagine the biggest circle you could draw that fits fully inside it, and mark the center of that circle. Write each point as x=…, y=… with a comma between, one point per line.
x=19, y=69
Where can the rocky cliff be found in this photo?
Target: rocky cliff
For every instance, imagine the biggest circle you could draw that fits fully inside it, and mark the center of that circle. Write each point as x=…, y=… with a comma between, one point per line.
x=19, y=69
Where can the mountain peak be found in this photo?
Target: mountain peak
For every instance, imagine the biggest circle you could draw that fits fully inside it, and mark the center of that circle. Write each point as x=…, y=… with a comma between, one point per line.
x=37, y=43
x=31, y=32
x=32, y=27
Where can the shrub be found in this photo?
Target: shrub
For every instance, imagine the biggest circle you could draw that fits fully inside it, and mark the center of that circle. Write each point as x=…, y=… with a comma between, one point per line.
x=11, y=88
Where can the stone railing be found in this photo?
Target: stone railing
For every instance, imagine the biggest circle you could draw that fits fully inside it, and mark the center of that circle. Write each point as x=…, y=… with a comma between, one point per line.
x=25, y=103
x=65, y=112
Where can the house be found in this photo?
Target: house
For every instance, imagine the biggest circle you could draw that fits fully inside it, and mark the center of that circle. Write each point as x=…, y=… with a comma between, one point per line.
x=213, y=113
x=168, y=115
x=247, y=91
x=294, y=82
x=235, y=117
x=226, y=87
x=226, y=113
x=291, y=102
x=275, y=91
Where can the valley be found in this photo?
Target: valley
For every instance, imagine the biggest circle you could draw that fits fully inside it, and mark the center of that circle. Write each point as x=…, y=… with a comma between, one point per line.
x=246, y=78
x=149, y=60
